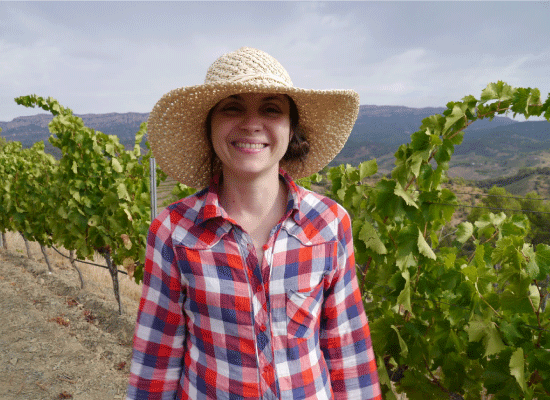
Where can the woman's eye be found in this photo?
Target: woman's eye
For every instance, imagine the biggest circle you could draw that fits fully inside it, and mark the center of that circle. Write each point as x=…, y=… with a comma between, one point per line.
x=231, y=108
x=272, y=110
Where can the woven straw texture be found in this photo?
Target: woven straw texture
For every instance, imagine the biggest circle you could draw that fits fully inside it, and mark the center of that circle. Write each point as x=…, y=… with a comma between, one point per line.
x=176, y=125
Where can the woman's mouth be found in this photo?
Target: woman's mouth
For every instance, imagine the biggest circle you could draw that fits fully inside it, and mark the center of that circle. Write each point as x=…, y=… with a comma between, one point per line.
x=255, y=146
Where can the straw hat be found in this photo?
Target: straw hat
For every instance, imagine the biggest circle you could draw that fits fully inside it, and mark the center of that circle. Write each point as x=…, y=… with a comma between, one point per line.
x=176, y=125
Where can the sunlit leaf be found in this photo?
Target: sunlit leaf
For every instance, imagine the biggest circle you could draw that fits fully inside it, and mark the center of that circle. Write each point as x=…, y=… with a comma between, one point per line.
x=517, y=368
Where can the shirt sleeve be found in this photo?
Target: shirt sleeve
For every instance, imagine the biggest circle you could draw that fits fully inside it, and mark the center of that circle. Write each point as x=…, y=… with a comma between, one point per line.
x=345, y=337
x=159, y=334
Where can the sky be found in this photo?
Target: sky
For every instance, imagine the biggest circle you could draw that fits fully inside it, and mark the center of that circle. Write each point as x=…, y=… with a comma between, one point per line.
x=102, y=57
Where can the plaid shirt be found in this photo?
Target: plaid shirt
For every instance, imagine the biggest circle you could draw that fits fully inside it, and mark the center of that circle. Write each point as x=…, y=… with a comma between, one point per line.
x=214, y=324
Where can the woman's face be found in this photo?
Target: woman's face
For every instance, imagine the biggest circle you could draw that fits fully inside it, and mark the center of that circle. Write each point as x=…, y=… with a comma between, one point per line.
x=250, y=133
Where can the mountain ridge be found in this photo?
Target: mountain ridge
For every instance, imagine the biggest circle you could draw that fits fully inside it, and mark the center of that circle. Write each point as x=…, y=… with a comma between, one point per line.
x=377, y=124
x=499, y=146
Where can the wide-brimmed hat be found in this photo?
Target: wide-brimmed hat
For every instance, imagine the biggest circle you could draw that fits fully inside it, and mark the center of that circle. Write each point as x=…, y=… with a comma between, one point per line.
x=177, y=130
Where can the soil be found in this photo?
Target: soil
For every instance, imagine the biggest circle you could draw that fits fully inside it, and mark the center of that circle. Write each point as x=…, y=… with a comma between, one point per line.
x=58, y=341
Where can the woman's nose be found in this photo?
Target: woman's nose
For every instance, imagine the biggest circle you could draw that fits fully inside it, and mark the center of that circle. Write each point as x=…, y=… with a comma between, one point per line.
x=251, y=121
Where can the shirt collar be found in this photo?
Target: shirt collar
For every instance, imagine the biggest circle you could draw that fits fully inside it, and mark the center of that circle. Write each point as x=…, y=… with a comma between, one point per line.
x=211, y=208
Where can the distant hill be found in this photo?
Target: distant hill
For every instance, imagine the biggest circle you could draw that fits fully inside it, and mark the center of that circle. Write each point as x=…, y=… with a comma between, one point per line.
x=32, y=129
x=380, y=130
x=490, y=148
x=521, y=137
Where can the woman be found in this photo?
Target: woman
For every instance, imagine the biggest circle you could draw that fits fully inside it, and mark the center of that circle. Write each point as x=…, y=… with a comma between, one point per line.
x=249, y=287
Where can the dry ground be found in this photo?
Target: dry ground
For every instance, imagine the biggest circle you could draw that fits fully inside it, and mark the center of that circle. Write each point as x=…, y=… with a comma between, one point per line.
x=58, y=341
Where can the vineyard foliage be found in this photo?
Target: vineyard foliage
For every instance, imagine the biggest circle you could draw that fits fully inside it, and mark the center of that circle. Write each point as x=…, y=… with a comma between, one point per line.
x=499, y=198
x=448, y=318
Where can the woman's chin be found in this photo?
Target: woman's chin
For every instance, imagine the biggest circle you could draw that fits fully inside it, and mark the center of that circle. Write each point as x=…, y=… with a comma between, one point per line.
x=250, y=170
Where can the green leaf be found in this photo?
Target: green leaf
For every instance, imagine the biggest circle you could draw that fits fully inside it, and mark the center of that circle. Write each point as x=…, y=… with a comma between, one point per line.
x=517, y=368
x=510, y=330
x=456, y=115
x=110, y=149
x=420, y=141
x=470, y=272
x=415, y=161
x=367, y=168
x=543, y=260
x=405, y=261
x=122, y=192
x=94, y=220
x=534, y=295
x=399, y=191
x=532, y=267
x=479, y=257
x=524, y=98
x=444, y=152
x=486, y=331
x=424, y=248
x=496, y=91
x=464, y=231
x=404, y=349
x=404, y=297
x=384, y=378
x=371, y=239
x=497, y=376
x=494, y=343
x=116, y=165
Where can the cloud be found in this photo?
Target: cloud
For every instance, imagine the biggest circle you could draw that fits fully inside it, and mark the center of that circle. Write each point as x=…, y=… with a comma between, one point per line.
x=421, y=78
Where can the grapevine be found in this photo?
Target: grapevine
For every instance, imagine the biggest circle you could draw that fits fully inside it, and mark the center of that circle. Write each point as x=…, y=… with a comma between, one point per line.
x=449, y=322
x=94, y=200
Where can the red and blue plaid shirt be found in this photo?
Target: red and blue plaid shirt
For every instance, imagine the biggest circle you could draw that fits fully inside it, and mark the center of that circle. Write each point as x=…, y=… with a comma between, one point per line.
x=214, y=324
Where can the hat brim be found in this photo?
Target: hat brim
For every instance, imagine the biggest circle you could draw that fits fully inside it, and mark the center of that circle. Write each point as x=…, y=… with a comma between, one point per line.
x=176, y=127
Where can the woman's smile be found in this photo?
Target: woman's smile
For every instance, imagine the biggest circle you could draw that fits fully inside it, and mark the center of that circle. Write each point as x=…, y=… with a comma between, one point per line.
x=249, y=146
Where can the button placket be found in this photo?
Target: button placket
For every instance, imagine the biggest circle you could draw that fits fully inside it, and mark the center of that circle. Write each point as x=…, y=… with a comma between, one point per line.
x=260, y=318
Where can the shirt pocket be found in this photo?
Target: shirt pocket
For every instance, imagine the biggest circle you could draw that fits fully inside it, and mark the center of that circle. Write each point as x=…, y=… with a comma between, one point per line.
x=302, y=310
x=215, y=279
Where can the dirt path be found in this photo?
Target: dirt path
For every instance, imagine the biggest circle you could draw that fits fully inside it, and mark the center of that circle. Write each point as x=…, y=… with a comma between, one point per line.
x=57, y=341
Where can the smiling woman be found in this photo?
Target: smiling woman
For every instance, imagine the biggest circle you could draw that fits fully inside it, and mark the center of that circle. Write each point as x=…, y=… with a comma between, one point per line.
x=249, y=284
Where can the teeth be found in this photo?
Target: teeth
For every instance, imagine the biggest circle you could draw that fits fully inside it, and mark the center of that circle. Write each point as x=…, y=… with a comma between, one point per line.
x=250, y=145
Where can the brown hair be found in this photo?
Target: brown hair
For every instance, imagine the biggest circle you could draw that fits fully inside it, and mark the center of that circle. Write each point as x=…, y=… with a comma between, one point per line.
x=298, y=146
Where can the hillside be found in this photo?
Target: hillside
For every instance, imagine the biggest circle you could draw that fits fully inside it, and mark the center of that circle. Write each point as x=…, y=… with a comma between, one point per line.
x=31, y=129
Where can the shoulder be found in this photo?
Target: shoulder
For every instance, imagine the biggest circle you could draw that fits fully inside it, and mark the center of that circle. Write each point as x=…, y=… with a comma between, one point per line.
x=314, y=206
x=322, y=218
x=183, y=212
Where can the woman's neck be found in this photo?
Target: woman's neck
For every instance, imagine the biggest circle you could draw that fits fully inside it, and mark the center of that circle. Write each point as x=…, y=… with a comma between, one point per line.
x=242, y=197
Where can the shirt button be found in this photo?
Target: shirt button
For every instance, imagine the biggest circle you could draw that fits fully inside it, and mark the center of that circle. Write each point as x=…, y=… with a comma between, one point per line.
x=259, y=288
x=263, y=328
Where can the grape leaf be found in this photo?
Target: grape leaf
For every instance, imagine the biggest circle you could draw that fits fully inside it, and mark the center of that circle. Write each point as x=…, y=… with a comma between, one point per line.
x=424, y=248
x=464, y=231
x=517, y=368
x=404, y=349
x=367, y=168
x=486, y=331
x=116, y=165
x=399, y=191
x=371, y=239
x=456, y=115
x=542, y=258
x=404, y=297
